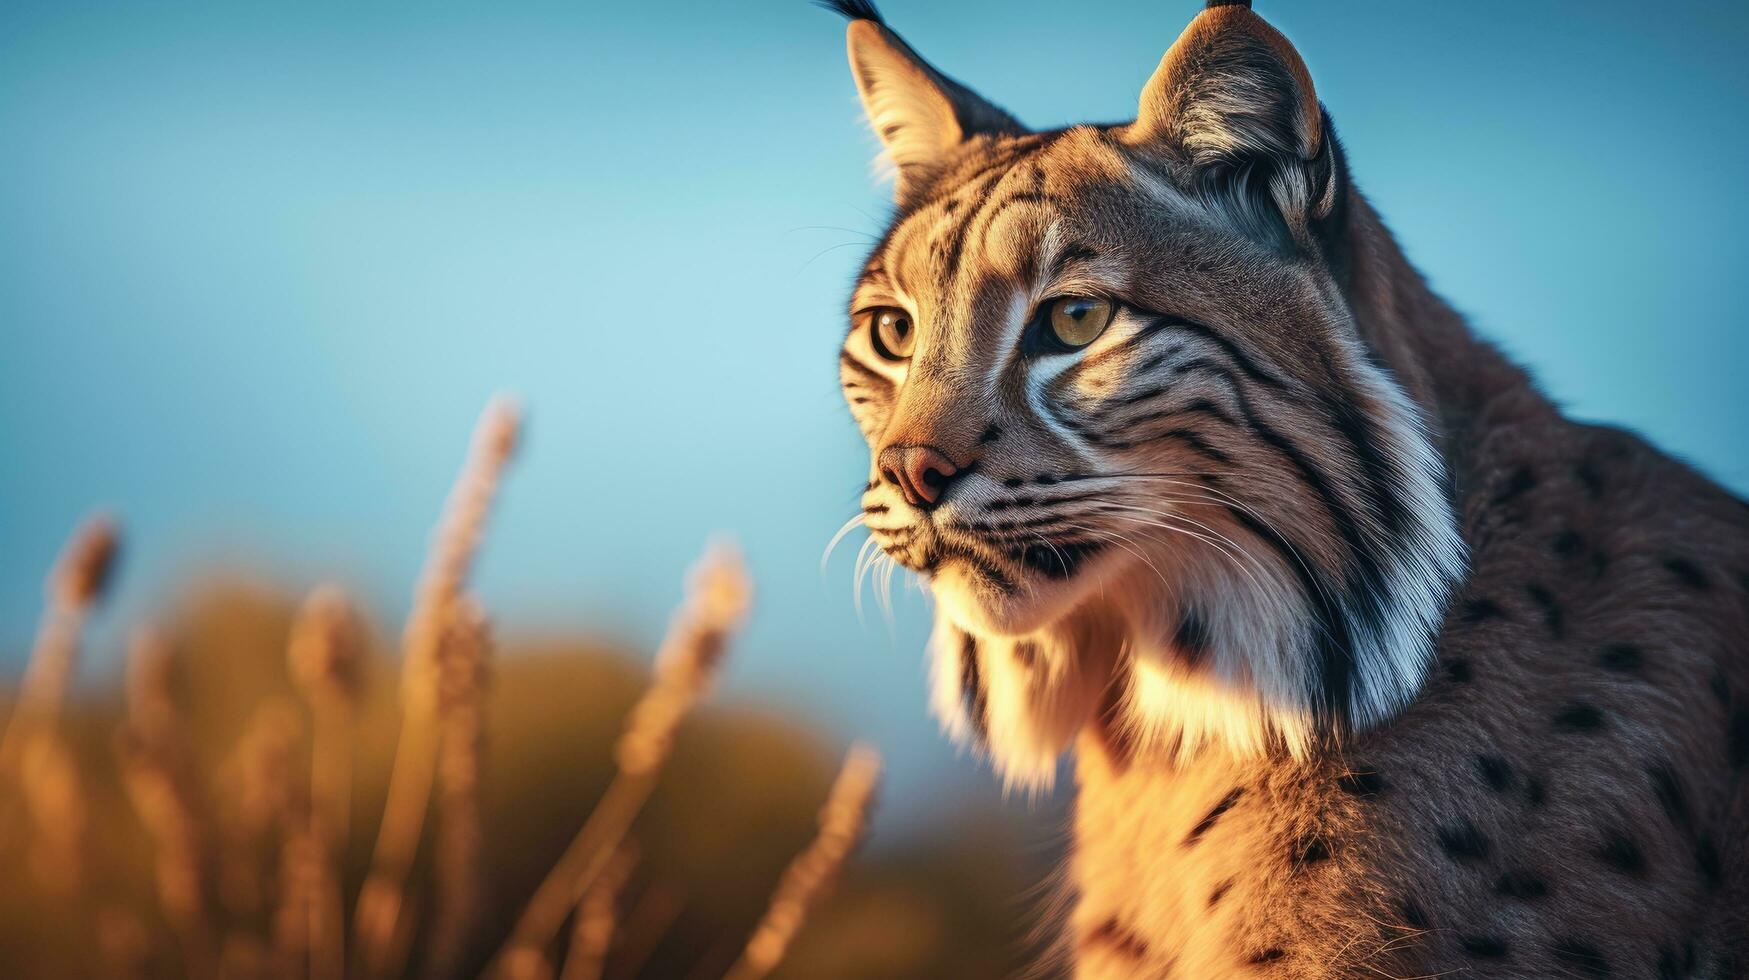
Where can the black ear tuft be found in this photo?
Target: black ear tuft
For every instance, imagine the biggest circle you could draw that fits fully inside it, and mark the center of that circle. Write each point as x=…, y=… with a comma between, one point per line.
x=1229, y=3
x=855, y=9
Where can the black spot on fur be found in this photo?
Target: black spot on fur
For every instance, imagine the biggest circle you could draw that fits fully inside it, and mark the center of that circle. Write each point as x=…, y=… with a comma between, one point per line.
x=1620, y=657
x=1706, y=858
x=1310, y=850
x=1458, y=670
x=1588, y=476
x=1413, y=915
x=1462, y=841
x=1483, y=947
x=1044, y=480
x=1622, y=853
x=1496, y=772
x=991, y=434
x=1013, y=482
x=1688, y=573
x=1522, y=884
x=1581, y=955
x=1737, y=738
x=1521, y=481
x=1579, y=717
x=1667, y=786
x=1220, y=892
x=1361, y=783
x=1567, y=544
x=1113, y=934
x=1208, y=821
x=1552, y=614
x=1269, y=955
x=1480, y=610
x=1533, y=792
x=1670, y=965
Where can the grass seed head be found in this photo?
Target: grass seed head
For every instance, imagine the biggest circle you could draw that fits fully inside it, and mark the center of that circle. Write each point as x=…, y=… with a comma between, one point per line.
x=327, y=647
x=83, y=571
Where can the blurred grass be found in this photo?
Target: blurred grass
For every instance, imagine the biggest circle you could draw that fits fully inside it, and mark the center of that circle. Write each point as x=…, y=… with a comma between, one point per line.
x=736, y=802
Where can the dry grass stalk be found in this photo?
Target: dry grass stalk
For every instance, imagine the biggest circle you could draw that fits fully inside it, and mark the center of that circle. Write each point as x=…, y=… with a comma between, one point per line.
x=326, y=658
x=718, y=594
x=309, y=920
x=597, y=918
x=76, y=583
x=263, y=797
x=157, y=771
x=54, y=796
x=380, y=916
x=842, y=822
x=645, y=926
x=325, y=655
x=463, y=672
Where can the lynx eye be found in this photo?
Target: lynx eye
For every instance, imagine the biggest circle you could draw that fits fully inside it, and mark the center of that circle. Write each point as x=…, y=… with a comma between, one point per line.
x=1077, y=321
x=892, y=333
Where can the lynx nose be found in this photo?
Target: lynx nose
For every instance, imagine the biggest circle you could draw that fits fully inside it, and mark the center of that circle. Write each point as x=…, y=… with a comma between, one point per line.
x=920, y=472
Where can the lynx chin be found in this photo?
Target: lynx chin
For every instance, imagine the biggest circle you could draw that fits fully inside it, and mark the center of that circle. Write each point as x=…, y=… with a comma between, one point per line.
x=1371, y=663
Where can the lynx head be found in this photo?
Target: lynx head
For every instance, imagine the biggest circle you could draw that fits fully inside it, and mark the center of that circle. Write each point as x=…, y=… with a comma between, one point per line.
x=1120, y=417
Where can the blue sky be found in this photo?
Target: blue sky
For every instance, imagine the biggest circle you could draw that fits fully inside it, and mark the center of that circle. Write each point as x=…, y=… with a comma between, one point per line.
x=261, y=265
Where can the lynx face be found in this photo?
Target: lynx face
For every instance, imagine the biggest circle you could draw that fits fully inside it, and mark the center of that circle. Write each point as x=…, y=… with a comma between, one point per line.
x=1120, y=419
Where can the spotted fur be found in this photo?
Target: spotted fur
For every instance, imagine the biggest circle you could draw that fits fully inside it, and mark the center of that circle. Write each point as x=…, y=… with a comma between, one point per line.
x=1221, y=550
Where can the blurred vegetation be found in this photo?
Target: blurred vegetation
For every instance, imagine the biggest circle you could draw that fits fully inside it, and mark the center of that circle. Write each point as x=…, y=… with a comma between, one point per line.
x=736, y=802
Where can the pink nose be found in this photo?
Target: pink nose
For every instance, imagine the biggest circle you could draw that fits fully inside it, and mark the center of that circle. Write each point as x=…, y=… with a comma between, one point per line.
x=920, y=472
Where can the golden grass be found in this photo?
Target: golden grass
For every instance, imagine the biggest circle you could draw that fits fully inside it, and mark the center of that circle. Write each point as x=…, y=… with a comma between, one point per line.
x=697, y=639
x=842, y=823
x=32, y=753
x=249, y=872
x=382, y=925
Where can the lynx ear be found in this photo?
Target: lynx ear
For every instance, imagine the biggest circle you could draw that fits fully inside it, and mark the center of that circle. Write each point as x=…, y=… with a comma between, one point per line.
x=1232, y=100
x=919, y=114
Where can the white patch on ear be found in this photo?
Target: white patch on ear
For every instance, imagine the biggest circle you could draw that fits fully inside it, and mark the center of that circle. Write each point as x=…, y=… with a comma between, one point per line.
x=920, y=115
x=904, y=105
x=905, y=109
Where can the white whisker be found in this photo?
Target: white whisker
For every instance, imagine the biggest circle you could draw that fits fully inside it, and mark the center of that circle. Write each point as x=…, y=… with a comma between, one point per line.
x=849, y=526
x=863, y=561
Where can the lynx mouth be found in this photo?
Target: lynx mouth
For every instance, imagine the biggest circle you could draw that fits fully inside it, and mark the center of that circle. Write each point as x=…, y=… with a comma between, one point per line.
x=1005, y=568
